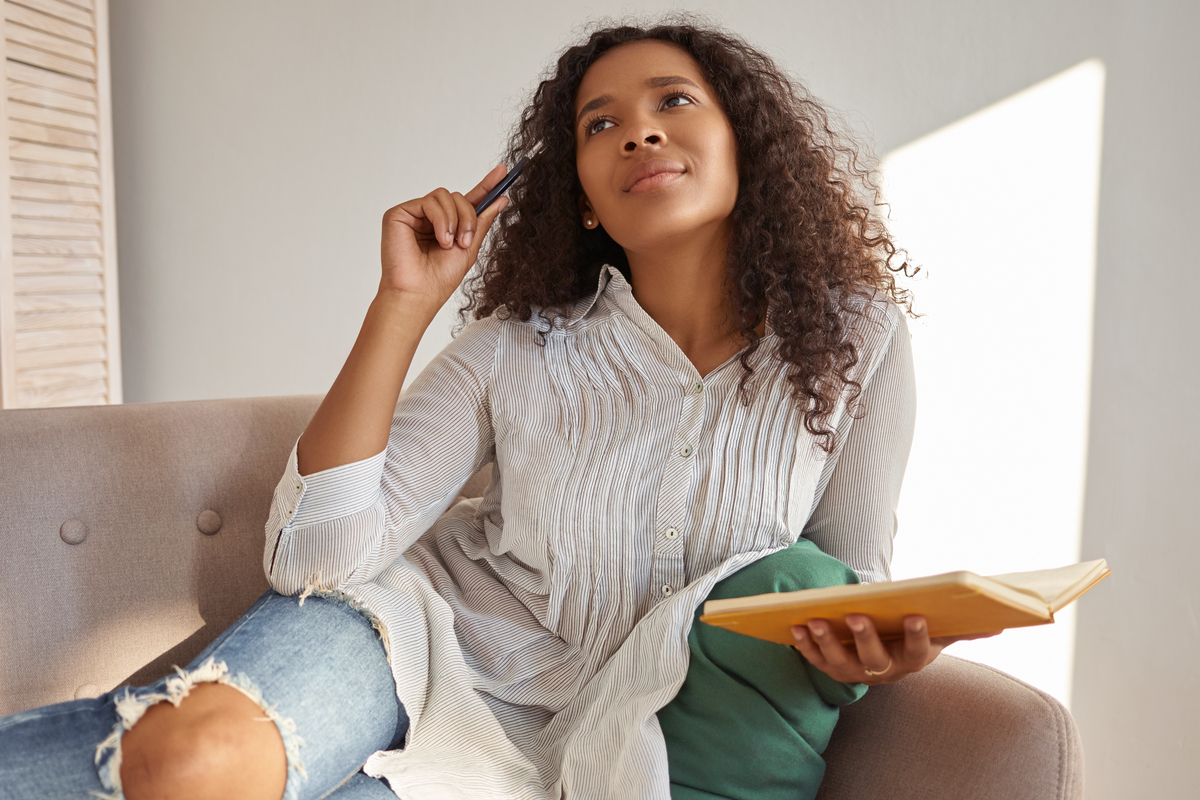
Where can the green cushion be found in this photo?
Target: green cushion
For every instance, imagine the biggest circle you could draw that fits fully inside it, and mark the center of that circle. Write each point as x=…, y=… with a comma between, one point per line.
x=753, y=717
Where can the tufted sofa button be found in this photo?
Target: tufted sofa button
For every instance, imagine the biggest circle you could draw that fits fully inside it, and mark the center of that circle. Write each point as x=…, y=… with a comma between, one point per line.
x=209, y=522
x=73, y=531
x=88, y=691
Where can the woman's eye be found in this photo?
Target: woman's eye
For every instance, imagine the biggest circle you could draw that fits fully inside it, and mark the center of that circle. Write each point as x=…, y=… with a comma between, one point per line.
x=595, y=126
x=669, y=100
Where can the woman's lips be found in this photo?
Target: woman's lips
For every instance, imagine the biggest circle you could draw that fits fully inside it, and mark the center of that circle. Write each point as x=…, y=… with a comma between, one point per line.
x=655, y=181
x=652, y=174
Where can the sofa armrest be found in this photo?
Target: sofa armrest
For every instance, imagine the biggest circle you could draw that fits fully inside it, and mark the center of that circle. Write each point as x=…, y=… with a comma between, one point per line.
x=955, y=730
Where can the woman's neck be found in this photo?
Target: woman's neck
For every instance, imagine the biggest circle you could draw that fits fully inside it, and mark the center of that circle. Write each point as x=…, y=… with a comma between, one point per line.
x=682, y=288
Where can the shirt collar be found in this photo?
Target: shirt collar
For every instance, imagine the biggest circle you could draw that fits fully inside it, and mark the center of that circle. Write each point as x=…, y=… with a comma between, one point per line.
x=609, y=276
x=612, y=282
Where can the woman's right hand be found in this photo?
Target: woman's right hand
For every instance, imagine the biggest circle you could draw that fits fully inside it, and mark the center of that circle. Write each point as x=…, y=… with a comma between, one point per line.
x=428, y=246
x=430, y=243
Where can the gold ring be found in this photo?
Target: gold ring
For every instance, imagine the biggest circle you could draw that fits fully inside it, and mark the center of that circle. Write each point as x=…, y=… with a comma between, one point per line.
x=874, y=674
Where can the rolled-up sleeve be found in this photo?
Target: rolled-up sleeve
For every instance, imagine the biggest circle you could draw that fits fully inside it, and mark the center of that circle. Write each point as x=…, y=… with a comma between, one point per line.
x=343, y=526
x=854, y=519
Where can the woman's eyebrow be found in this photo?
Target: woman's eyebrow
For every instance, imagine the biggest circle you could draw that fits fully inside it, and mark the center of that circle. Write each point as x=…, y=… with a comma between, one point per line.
x=653, y=83
x=670, y=80
x=592, y=105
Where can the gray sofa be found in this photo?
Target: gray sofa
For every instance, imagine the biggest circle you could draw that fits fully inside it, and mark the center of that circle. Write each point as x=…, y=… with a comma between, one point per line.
x=131, y=535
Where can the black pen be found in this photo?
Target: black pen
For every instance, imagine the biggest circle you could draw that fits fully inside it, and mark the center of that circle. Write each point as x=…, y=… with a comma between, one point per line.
x=503, y=185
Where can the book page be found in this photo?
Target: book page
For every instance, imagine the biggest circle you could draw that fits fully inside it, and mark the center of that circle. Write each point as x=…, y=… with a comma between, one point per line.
x=1055, y=586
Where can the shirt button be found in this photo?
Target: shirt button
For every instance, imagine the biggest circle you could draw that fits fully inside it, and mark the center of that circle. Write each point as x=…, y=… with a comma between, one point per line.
x=667, y=590
x=671, y=533
x=698, y=387
x=686, y=451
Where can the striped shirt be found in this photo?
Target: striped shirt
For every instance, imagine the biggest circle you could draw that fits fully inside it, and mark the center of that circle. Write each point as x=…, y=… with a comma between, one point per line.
x=534, y=632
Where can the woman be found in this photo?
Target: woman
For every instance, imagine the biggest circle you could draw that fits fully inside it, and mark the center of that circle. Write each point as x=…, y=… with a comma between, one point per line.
x=686, y=353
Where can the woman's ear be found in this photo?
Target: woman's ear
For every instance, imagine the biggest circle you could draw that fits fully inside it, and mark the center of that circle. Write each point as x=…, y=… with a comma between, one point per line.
x=590, y=220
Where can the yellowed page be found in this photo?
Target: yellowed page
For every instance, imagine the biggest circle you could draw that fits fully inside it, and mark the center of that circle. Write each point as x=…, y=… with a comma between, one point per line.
x=1058, y=586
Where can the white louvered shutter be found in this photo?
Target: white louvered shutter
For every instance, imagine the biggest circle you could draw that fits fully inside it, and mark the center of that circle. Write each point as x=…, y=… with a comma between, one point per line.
x=59, y=328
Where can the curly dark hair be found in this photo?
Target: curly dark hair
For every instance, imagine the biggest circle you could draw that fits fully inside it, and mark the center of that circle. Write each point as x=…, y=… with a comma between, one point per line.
x=806, y=254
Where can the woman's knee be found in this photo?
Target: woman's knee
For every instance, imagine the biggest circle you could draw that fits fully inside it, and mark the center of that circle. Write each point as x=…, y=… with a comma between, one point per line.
x=216, y=743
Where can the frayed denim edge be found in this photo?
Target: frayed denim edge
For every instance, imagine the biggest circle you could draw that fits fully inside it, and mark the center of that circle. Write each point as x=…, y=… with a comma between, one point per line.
x=314, y=589
x=132, y=706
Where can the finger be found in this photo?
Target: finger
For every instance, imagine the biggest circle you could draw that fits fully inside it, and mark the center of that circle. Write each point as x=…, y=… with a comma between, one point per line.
x=834, y=652
x=434, y=214
x=491, y=212
x=445, y=233
x=486, y=185
x=466, y=219
x=916, y=642
x=484, y=223
x=808, y=648
x=411, y=214
x=871, y=652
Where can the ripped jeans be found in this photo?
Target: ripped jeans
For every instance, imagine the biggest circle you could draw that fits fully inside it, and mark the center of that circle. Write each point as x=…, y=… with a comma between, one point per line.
x=315, y=666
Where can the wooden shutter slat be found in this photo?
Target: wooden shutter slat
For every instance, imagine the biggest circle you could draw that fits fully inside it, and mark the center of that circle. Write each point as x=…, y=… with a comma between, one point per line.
x=51, y=376
x=55, y=320
x=91, y=392
x=32, y=303
x=72, y=337
x=33, y=170
x=54, y=137
x=64, y=11
x=51, y=154
x=71, y=394
x=33, y=75
x=55, y=228
x=56, y=247
x=55, y=265
x=54, y=192
x=90, y=400
x=50, y=43
x=52, y=117
x=43, y=97
x=37, y=209
x=63, y=284
x=45, y=23
x=35, y=133
x=59, y=357
x=31, y=56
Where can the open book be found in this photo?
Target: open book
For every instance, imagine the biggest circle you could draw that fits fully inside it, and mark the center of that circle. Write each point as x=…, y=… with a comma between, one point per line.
x=953, y=604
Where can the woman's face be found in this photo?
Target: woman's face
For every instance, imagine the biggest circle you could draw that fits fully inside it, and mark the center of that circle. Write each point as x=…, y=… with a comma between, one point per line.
x=656, y=155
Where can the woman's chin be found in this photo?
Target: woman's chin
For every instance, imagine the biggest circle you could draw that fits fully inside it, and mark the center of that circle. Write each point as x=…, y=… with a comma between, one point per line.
x=659, y=232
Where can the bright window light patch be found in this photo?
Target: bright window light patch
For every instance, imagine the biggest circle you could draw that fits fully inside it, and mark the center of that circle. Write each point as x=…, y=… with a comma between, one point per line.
x=1000, y=211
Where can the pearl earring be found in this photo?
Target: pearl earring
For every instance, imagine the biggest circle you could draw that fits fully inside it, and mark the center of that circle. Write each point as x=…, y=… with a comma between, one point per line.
x=588, y=222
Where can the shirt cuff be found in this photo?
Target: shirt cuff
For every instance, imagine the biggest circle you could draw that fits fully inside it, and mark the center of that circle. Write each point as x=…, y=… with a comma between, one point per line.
x=329, y=494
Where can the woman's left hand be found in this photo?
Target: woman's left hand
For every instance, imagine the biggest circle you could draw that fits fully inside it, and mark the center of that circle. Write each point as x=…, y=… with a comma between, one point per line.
x=871, y=661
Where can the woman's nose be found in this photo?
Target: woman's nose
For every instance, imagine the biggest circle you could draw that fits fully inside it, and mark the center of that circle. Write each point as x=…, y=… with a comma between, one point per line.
x=646, y=138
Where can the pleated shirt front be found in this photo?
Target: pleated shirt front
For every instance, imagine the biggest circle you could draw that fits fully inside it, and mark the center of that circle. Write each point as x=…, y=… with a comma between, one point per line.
x=534, y=632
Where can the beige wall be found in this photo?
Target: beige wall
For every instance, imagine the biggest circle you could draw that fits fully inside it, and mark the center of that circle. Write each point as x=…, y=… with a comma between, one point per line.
x=259, y=141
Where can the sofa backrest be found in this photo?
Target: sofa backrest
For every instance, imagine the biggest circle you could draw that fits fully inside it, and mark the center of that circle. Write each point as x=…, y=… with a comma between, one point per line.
x=130, y=536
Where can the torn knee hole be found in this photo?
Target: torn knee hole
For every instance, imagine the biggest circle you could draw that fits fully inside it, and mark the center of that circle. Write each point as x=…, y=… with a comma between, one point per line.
x=132, y=705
